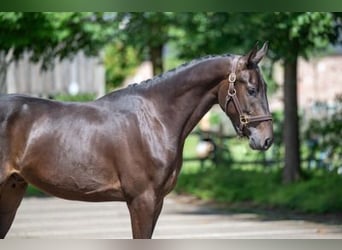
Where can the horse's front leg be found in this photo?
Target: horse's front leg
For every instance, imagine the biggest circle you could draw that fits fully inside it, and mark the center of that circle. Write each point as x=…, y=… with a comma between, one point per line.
x=11, y=193
x=144, y=210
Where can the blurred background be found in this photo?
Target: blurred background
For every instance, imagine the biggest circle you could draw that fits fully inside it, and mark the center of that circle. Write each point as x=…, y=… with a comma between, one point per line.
x=73, y=56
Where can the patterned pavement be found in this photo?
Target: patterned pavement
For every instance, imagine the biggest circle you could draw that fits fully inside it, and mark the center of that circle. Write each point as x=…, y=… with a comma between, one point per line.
x=180, y=219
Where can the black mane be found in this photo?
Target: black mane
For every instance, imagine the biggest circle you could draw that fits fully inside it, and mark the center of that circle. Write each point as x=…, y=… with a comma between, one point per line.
x=156, y=79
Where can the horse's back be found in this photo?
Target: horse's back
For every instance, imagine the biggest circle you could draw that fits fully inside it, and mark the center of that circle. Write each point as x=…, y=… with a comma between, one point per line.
x=14, y=105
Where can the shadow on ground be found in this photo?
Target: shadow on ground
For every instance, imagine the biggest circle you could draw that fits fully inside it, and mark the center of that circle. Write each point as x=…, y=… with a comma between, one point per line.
x=252, y=212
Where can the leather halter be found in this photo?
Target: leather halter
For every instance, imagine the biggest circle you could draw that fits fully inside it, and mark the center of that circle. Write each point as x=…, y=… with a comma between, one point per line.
x=245, y=119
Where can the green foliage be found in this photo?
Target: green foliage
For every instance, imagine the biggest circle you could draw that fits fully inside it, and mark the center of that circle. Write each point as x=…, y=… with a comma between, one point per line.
x=49, y=35
x=83, y=97
x=290, y=34
x=214, y=118
x=144, y=28
x=298, y=33
x=190, y=146
x=324, y=136
x=171, y=58
x=147, y=33
x=46, y=36
x=25, y=32
x=120, y=61
x=318, y=194
x=198, y=34
x=86, y=31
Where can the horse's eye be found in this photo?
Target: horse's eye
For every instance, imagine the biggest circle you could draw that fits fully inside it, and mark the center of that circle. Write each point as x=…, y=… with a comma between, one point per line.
x=252, y=91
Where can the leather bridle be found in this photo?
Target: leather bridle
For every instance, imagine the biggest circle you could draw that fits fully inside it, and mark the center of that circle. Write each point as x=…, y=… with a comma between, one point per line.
x=244, y=119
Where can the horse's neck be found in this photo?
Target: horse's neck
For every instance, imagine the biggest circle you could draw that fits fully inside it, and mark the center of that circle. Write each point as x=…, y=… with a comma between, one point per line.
x=191, y=93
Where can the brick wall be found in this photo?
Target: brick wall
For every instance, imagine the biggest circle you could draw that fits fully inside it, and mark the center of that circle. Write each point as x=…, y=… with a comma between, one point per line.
x=319, y=79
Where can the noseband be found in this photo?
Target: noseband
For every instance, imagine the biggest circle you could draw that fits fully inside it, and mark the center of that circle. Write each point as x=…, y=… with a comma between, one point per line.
x=245, y=119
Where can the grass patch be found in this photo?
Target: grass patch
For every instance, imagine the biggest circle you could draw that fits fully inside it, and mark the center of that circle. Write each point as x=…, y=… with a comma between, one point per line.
x=33, y=191
x=317, y=194
x=83, y=97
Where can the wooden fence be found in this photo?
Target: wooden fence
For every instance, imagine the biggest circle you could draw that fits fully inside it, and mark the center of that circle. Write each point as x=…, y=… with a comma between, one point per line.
x=80, y=75
x=221, y=151
x=222, y=155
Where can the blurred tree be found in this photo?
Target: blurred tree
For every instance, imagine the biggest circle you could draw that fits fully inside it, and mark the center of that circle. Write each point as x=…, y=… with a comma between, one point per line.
x=293, y=35
x=203, y=33
x=146, y=32
x=120, y=61
x=47, y=36
x=324, y=136
x=290, y=34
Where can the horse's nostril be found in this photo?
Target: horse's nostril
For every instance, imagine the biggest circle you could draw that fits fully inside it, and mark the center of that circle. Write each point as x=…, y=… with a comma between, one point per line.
x=267, y=143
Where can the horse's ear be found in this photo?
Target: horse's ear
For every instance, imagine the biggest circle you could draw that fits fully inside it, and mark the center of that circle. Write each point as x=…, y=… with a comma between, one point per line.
x=247, y=59
x=255, y=55
x=261, y=53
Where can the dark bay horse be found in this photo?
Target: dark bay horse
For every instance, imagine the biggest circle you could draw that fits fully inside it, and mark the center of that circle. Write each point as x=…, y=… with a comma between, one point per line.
x=127, y=145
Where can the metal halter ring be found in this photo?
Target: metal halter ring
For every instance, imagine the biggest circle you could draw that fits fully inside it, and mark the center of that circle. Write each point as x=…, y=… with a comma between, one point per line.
x=232, y=77
x=231, y=92
x=244, y=120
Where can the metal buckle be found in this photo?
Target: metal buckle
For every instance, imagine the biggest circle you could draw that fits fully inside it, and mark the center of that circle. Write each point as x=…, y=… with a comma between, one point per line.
x=244, y=120
x=232, y=77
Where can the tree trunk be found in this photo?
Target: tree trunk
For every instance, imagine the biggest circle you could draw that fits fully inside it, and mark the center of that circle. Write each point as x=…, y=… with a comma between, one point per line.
x=156, y=56
x=291, y=171
x=3, y=73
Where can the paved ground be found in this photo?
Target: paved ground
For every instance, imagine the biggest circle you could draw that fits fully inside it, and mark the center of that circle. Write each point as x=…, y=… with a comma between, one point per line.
x=180, y=219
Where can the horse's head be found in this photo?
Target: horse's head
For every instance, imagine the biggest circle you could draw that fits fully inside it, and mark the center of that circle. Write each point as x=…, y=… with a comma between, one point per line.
x=243, y=98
